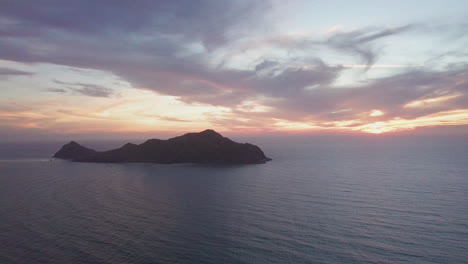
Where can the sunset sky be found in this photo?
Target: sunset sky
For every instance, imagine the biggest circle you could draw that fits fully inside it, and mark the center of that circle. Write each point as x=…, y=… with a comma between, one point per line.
x=159, y=67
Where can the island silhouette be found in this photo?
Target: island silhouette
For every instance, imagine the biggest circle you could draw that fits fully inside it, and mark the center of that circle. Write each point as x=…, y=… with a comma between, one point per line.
x=204, y=147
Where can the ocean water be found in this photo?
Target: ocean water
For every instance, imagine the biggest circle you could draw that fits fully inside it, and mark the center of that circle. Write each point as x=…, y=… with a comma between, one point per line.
x=321, y=200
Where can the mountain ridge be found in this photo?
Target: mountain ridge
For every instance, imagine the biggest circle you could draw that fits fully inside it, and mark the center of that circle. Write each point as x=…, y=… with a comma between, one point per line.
x=207, y=146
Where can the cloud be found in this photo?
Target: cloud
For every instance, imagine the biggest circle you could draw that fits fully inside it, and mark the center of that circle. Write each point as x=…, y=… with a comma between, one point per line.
x=56, y=90
x=172, y=119
x=159, y=45
x=358, y=41
x=184, y=49
x=75, y=113
x=170, y=48
x=92, y=90
x=428, y=92
x=13, y=72
x=204, y=20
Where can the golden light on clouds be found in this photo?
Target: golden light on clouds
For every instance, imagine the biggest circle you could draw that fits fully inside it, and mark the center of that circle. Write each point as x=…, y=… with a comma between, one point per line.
x=136, y=111
x=376, y=112
x=455, y=117
x=430, y=101
x=254, y=107
x=375, y=128
x=285, y=125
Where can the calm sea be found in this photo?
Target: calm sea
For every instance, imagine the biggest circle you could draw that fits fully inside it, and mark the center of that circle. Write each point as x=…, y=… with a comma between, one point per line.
x=321, y=200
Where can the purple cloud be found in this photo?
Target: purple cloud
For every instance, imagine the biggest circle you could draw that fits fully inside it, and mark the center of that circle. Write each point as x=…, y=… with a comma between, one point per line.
x=171, y=47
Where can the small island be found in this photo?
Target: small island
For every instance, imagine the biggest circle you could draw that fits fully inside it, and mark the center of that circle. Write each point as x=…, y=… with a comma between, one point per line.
x=204, y=147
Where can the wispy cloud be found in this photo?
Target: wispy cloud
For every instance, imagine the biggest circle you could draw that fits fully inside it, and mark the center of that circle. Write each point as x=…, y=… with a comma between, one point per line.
x=93, y=90
x=83, y=89
x=358, y=41
x=172, y=119
x=56, y=90
x=13, y=72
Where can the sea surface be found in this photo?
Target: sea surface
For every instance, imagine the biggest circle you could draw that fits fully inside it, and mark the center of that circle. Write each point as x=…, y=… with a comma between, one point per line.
x=321, y=200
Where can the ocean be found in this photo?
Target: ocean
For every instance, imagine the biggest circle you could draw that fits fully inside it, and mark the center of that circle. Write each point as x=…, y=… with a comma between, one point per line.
x=334, y=199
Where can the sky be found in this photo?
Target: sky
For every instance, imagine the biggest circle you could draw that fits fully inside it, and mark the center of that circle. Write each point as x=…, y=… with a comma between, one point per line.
x=102, y=68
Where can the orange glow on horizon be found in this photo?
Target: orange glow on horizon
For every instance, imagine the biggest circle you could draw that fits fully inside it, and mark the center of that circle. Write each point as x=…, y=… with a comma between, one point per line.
x=455, y=117
x=142, y=111
x=450, y=118
x=429, y=101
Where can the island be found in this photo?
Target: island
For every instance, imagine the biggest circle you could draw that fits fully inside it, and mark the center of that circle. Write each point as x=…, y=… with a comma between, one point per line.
x=204, y=147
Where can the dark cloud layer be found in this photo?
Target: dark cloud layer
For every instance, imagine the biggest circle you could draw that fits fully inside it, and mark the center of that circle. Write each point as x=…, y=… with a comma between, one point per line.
x=92, y=90
x=13, y=72
x=169, y=47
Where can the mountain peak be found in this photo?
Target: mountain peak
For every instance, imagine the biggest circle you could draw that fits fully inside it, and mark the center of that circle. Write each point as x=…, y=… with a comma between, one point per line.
x=73, y=143
x=209, y=132
x=73, y=150
x=207, y=146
